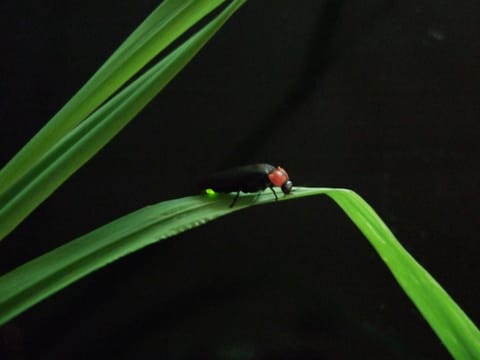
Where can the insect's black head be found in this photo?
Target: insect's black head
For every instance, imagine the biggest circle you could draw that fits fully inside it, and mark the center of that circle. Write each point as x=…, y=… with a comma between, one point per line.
x=287, y=187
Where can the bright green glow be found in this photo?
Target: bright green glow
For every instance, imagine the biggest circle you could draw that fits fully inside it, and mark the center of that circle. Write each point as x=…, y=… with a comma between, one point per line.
x=210, y=192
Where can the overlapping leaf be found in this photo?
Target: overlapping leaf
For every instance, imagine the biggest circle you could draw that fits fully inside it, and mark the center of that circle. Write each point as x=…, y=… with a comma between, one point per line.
x=36, y=179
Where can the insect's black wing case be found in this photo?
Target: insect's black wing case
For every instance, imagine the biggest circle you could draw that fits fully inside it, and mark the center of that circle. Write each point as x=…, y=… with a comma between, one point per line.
x=249, y=178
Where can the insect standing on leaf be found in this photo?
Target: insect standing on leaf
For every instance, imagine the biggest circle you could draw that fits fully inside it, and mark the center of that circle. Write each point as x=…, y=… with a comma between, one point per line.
x=248, y=179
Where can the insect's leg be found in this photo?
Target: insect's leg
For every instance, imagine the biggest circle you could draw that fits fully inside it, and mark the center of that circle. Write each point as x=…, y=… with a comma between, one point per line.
x=235, y=199
x=274, y=193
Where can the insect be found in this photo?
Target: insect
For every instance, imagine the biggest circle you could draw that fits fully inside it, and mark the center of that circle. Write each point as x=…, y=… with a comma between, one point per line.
x=248, y=179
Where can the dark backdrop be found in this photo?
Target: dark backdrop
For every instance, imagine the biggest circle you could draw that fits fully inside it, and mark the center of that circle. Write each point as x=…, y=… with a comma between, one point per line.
x=378, y=96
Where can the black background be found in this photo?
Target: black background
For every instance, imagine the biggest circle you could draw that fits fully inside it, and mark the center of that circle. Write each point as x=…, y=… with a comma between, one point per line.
x=377, y=96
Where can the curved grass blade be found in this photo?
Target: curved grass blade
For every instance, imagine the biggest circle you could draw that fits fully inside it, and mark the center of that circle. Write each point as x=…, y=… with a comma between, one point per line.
x=83, y=142
x=456, y=331
x=160, y=28
x=38, y=279
x=45, y=275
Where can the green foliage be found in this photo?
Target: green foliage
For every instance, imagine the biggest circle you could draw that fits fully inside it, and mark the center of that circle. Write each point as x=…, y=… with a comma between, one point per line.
x=75, y=134
x=40, y=278
x=98, y=112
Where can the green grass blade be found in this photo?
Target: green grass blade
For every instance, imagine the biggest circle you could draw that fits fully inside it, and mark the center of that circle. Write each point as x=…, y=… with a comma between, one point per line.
x=456, y=331
x=38, y=279
x=41, y=277
x=165, y=24
x=83, y=142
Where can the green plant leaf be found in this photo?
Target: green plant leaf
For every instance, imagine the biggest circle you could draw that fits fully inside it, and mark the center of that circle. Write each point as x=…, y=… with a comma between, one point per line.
x=85, y=140
x=40, y=278
x=165, y=24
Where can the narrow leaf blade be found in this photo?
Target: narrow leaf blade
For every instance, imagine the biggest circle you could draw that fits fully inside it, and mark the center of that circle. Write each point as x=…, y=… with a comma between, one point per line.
x=83, y=142
x=38, y=279
x=165, y=24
